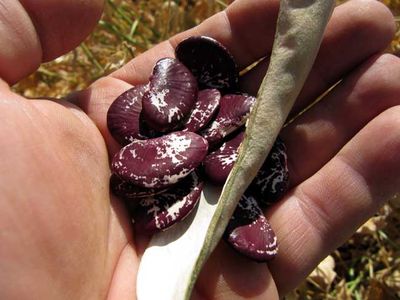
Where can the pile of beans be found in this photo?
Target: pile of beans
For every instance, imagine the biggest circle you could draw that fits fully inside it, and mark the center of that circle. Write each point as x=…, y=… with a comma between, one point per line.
x=183, y=129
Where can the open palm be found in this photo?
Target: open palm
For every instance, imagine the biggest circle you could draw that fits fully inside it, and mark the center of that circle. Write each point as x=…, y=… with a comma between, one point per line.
x=64, y=237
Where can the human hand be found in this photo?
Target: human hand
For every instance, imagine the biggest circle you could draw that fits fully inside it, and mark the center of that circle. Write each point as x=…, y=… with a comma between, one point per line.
x=63, y=236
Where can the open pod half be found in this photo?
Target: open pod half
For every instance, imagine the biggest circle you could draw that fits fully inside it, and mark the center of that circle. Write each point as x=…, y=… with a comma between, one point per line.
x=173, y=259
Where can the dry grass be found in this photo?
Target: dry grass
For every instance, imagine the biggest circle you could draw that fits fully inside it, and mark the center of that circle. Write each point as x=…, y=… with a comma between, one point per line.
x=366, y=267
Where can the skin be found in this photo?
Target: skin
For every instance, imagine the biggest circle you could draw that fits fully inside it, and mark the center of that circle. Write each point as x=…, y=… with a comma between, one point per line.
x=64, y=237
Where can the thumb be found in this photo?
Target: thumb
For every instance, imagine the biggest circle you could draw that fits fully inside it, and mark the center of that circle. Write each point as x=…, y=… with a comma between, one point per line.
x=35, y=31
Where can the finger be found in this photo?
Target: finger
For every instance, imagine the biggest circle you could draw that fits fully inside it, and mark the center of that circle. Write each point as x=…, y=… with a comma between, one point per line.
x=315, y=137
x=322, y=212
x=357, y=30
x=62, y=24
x=36, y=31
x=23, y=52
